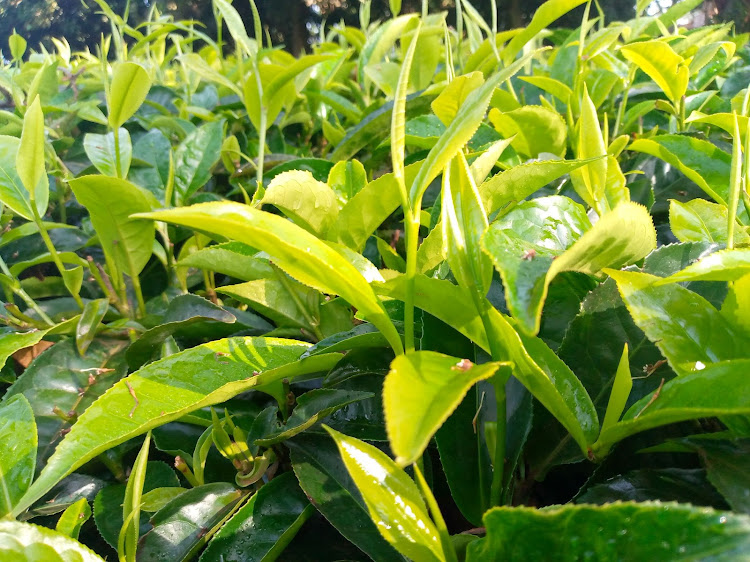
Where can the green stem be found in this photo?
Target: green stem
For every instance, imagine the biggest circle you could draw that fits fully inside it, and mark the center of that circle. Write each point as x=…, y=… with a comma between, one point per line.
x=25, y=296
x=498, y=381
x=411, y=226
x=311, y=322
x=437, y=517
x=118, y=161
x=624, y=103
x=138, y=295
x=51, y=248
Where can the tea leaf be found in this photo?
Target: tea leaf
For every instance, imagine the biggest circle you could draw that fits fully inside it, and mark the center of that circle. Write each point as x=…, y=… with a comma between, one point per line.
x=665, y=531
x=699, y=220
x=621, y=388
x=100, y=149
x=392, y=498
x=724, y=265
x=662, y=64
x=214, y=372
x=73, y=518
x=30, y=159
x=293, y=249
x=18, y=443
x=26, y=543
x=194, y=158
x=129, y=87
x=13, y=194
x=420, y=392
x=270, y=520
x=528, y=259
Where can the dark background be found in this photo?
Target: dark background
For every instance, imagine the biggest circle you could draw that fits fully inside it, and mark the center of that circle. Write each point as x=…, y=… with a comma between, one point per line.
x=293, y=23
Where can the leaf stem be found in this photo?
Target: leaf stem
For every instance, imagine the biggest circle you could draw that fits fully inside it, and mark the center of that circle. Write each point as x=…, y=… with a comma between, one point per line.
x=437, y=517
x=25, y=296
x=52, y=250
x=118, y=162
x=411, y=226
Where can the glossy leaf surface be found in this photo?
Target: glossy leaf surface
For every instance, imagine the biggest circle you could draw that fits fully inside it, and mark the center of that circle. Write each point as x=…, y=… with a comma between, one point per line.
x=18, y=442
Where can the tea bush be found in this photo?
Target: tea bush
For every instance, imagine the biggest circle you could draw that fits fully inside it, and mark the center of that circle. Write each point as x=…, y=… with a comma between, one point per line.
x=424, y=293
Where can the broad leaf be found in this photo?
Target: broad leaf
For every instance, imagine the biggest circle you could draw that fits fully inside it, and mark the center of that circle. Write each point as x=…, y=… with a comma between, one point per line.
x=24, y=542
x=535, y=365
x=664, y=313
x=699, y=160
x=18, y=442
x=662, y=64
x=11, y=342
x=234, y=259
x=166, y=390
x=194, y=158
x=724, y=265
x=309, y=203
x=535, y=129
x=127, y=91
x=530, y=256
x=128, y=243
x=325, y=480
x=88, y=323
x=720, y=389
x=101, y=150
x=392, y=498
x=296, y=251
x=699, y=220
x=664, y=531
x=13, y=194
x=184, y=525
x=73, y=518
x=269, y=521
x=420, y=392
x=448, y=103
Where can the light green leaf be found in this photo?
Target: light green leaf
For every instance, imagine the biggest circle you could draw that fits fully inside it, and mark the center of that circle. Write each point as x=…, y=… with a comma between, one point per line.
x=24, y=542
x=662, y=64
x=461, y=129
x=699, y=160
x=534, y=364
x=699, y=220
x=724, y=265
x=668, y=531
x=621, y=388
x=18, y=442
x=529, y=259
x=73, y=518
x=421, y=390
x=11, y=342
x=543, y=16
x=521, y=181
x=310, y=204
x=127, y=243
x=590, y=181
x=30, y=159
x=166, y=390
x=100, y=149
x=534, y=128
x=236, y=27
x=720, y=389
x=88, y=323
x=664, y=312
x=392, y=498
x=197, y=64
x=347, y=178
x=450, y=100
x=13, y=194
x=296, y=251
x=463, y=222
x=555, y=87
x=129, y=87
x=131, y=505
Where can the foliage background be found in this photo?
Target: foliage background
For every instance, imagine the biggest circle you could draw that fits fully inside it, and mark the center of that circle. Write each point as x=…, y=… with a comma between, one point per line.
x=295, y=22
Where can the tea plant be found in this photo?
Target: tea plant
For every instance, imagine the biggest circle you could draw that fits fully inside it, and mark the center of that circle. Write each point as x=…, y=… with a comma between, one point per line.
x=424, y=293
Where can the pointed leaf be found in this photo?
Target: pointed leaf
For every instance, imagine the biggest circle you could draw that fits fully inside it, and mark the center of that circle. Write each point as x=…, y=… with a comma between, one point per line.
x=720, y=389
x=724, y=265
x=24, y=542
x=534, y=128
x=450, y=100
x=73, y=518
x=168, y=389
x=392, y=498
x=420, y=392
x=528, y=260
x=18, y=442
x=299, y=253
x=129, y=87
x=30, y=159
x=699, y=220
x=662, y=64
x=110, y=202
x=100, y=149
x=195, y=157
x=88, y=323
x=269, y=521
x=621, y=388
x=13, y=194
x=664, y=313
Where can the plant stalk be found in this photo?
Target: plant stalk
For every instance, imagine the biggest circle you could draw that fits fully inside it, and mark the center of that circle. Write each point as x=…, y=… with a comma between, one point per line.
x=411, y=226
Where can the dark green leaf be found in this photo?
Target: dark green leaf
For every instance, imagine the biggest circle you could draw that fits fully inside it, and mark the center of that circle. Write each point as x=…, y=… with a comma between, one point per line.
x=18, y=442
